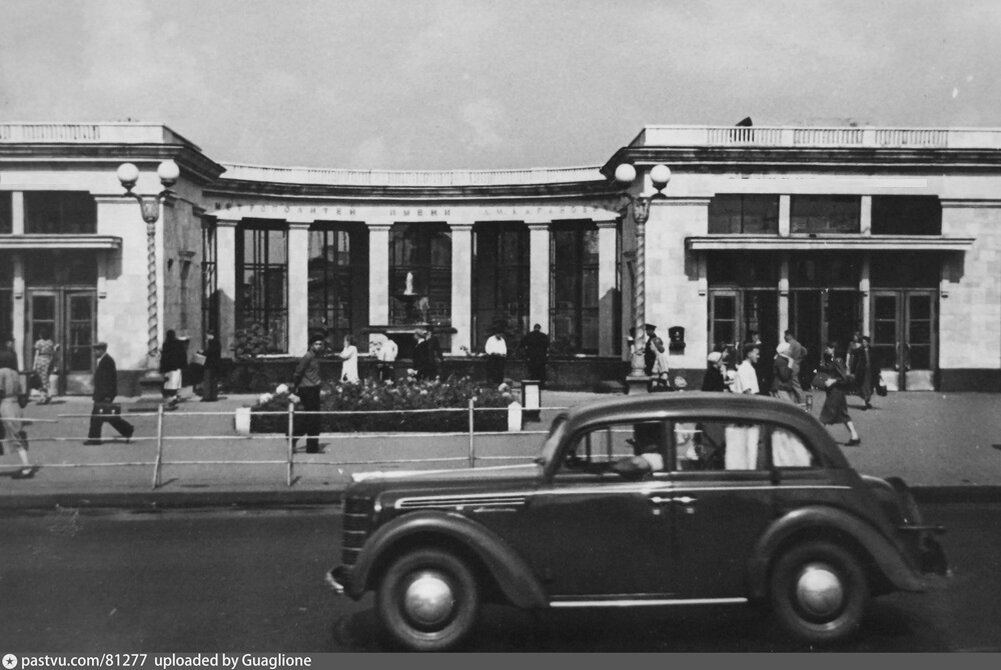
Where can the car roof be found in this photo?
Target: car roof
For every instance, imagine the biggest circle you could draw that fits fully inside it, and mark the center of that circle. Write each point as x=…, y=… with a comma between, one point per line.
x=706, y=405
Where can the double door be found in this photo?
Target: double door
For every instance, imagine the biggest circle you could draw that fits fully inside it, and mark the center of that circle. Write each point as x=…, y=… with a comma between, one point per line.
x=68, y=317
x=904, y=327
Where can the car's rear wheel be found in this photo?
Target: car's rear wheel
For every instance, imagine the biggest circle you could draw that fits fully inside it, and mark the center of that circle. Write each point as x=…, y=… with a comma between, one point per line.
x=428, y=600
x=819, y=592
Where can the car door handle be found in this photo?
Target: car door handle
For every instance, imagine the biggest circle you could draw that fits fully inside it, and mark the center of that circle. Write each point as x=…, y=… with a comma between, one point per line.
x=685, y=500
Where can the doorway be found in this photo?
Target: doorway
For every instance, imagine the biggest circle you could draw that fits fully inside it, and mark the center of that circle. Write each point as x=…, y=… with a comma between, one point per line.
x=817, y=317
x=905, y=324
x=69, y=318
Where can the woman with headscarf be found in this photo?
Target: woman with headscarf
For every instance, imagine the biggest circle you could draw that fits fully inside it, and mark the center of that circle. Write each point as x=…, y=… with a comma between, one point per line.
x=782, y=366
x=838, y=382
x=714, y=378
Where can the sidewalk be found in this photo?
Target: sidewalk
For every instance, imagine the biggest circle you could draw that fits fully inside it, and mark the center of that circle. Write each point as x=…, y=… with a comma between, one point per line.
x=946, y=446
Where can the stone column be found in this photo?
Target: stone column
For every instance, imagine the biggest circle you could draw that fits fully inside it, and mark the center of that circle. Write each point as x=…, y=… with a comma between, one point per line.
x=607, y=259
x=785, y=223
x=378, y=272
x=462, y=284
x=226, y=281
x=783, y=294
x=865, y=290
x=18, y=318
x=298, y=286
x=538, y=274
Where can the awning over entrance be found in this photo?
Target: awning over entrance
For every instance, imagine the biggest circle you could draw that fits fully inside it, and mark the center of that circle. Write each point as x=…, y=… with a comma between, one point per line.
x=70, y=242
x=827, y=243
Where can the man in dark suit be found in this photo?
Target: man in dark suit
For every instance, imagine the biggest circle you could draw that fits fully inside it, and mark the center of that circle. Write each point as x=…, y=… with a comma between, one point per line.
x=427, y=355
x=105, y=390
x=536, y=346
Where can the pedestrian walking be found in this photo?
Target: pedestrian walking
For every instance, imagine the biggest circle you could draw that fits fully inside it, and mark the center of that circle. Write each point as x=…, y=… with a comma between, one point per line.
x=864, y=369
x=661, y=372
x=8, y=357
x=782, y=375
x=306, y=383
x=536, y=347
x=349, y=361
x=213, y=361
x=496, y=351
x=105, y=390
x=12, y=401
x=386, y=353
x=650, y=347
x=427, y=355
x=713, y=380
x=836, y=380
x=797, y=352
x=747, y=377
x=173, y=360
x=44, y=351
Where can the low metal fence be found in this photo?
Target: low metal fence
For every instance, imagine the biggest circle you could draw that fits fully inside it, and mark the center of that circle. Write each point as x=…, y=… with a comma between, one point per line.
x=289, y=462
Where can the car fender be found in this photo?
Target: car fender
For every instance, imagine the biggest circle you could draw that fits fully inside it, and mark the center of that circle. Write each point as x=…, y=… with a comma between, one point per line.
x=885, y=555
x=512, y=574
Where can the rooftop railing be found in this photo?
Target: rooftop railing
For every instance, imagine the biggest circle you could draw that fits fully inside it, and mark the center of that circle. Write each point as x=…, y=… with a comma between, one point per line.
x=791, y=136
x=87, y=133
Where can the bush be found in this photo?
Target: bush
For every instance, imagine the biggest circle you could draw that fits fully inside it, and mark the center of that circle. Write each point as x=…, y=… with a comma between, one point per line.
x=397, y=398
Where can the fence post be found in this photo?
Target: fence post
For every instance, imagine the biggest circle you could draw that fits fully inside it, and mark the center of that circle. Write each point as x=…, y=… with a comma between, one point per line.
x=472, y=445
x=159, y=446
x=291, y=441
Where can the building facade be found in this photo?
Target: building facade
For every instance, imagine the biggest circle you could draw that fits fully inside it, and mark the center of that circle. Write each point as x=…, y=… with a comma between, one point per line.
x=895, y=233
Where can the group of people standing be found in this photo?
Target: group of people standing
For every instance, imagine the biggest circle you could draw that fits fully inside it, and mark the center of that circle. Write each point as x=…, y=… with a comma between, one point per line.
x=835, y=375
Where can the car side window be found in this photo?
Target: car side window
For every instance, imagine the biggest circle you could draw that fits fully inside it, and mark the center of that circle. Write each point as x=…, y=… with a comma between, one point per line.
x=712, y=444
x=605, y=448
x=789, y=451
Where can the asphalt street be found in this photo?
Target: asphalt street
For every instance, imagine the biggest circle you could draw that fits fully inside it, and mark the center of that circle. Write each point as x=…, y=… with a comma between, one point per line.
x=90, y=581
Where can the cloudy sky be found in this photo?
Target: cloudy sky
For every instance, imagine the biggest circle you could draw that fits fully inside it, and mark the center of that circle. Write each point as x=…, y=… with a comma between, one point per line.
x=481, y=84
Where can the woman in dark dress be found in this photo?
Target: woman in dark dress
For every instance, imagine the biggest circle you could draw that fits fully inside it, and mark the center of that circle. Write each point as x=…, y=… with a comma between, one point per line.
x=713, y=379
x=838, y=384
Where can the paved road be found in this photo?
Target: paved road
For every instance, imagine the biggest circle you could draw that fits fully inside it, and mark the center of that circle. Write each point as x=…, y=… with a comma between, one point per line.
x=95, y=581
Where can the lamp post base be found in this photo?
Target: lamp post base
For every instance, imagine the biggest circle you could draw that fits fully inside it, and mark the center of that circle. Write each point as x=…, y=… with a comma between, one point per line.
x=636, y=385
x=150, y=393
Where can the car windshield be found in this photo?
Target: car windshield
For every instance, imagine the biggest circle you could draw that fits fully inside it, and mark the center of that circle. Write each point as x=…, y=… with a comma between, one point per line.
x=552, y=441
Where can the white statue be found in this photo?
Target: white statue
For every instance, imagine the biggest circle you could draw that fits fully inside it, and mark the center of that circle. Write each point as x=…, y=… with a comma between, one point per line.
x=409, y=290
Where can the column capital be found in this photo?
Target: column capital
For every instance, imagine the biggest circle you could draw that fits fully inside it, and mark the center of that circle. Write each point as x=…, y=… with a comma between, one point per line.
x=299, y=224
x=231, y=221
x=379, y=226
x=606, y=223
x=461, y=226
x=538, y=225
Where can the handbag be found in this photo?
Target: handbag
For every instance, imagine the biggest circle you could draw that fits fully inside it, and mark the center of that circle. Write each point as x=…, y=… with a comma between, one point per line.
x=880, y=387
x=108, y=408
x=819, y=381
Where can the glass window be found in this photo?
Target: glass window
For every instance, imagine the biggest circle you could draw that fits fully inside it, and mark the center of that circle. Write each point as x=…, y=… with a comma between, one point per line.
x=738, y=445
x=59, y=212
x=420, y=274
x=573, y=284
x=501, y=286
x=59, y=268
x=825, y=214
x=751, y=270
x=732, y=214
x=262, y=291
x=596, y=451
x=906, y=215
x=6, y=213
x=905, y=270
x=210, y=281
x=825, y=270
x=338, y=279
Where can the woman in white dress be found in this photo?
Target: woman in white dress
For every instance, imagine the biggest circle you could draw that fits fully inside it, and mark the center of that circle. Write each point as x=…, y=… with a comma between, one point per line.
x=349, y=370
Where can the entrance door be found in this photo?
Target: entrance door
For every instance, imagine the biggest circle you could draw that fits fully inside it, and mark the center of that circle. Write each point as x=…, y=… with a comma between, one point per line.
x=69, y=317
x=821, y=316
x=904, y=338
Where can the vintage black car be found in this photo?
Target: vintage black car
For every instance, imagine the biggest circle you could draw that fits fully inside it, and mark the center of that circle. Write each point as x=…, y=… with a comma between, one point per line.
x=664, y=499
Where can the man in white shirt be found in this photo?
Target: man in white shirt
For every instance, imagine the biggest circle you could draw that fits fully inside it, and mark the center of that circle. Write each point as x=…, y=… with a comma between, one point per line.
x=386, y=355
x=747, y=377
x=496, y=351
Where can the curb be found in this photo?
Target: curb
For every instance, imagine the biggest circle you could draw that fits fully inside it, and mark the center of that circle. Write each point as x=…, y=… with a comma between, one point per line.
x=157, y=500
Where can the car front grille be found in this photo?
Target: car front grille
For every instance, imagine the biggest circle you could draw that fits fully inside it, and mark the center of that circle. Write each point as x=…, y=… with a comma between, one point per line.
x=357, y=524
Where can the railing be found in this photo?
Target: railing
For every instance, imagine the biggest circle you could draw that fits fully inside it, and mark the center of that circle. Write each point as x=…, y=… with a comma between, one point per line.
x=428, y=178
x=124, y=133
x=289, y=437
x=805, y=136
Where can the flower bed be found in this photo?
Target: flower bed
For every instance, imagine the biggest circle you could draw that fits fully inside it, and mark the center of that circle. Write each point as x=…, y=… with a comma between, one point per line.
x=384, y=406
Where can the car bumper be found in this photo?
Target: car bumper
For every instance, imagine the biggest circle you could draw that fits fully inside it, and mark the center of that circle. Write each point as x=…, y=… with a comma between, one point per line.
x=338, y=579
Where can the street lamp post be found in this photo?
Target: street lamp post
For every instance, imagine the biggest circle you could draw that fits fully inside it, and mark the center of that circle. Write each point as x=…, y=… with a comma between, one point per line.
x=128, y=174
x=660, y=175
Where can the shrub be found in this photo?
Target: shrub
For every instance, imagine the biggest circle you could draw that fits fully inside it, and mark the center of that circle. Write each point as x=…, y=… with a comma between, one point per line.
x=396, y=398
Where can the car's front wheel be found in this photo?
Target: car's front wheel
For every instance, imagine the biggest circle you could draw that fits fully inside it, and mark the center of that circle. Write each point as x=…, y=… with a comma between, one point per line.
x=819, y=592
x=428, y=600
